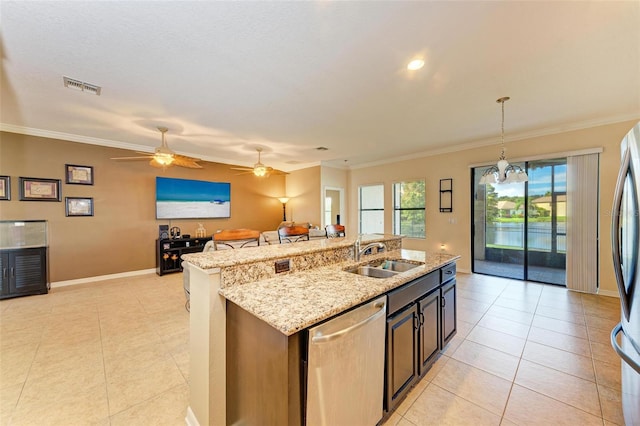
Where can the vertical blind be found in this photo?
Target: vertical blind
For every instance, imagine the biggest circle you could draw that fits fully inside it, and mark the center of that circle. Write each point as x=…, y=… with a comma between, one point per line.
x=582, y=223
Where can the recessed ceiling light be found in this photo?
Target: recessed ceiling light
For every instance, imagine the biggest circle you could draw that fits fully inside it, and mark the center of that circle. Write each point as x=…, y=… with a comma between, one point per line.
x=322, y=148
x=416, y=64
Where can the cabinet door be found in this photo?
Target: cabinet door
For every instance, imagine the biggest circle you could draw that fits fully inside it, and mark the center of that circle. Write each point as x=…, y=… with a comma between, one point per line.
x=402, y=349
x=429, y=315
x=448, y=315
x=28, y=271
x=4, y=274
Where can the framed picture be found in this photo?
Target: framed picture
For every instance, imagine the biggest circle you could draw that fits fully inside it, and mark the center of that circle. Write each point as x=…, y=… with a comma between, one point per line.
x=77, y=206
x=5, y=188
x=79, y=175
x=446, y=195
x=35, y=189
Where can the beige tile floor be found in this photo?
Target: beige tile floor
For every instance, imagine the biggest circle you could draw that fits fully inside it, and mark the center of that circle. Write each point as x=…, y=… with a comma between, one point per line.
x=116, y=353
x=524, y=354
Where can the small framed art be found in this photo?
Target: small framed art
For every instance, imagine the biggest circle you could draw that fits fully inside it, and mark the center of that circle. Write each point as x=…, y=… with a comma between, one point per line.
x=5, y=188
x=79, y=175
x=36, y=189
x=78, y=206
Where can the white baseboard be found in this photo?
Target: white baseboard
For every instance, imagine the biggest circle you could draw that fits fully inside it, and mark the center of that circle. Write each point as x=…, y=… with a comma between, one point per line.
x=191, y=420
x=102, y=278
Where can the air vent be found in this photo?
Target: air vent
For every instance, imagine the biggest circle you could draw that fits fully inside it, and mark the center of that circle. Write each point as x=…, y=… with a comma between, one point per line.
x=81, y=85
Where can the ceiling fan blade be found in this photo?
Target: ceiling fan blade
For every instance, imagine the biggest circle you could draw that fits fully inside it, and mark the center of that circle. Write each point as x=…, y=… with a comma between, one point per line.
x=278, y=172
x=182, y=161
x=244, y=169
x=132, y=158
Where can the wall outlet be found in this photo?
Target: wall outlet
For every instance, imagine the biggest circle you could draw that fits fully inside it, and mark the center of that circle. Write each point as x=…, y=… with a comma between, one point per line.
x=283, y=265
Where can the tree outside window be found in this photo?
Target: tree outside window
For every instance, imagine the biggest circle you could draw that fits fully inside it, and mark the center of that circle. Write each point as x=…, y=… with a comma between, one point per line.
x=409, y=216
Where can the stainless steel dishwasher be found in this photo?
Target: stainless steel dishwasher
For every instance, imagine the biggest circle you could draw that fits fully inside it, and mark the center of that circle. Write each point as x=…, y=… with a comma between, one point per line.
x=345, y=371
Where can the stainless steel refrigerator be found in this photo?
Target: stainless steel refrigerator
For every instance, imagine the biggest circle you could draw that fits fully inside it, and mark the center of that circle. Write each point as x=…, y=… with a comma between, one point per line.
x=625, y=243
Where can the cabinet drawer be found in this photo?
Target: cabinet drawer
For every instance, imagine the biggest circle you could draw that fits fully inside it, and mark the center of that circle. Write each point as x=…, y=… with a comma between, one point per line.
x=412, y=291
x=447, y=272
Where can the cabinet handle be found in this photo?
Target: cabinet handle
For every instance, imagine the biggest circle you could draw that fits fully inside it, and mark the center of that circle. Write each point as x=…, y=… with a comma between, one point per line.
x=4, y=272
x=421, y=319
x=444, y=302
x=449, y=272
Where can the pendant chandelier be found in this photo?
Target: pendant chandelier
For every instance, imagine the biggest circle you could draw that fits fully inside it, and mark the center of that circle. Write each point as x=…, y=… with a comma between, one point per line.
x=503, y=172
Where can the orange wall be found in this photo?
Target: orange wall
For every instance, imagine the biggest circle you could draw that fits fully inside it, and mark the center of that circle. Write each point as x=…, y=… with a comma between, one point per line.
x=121, y=235
x=303, y=189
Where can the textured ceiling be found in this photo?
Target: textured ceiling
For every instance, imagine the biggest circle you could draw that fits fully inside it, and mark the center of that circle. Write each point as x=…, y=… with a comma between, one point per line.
x=226, y=77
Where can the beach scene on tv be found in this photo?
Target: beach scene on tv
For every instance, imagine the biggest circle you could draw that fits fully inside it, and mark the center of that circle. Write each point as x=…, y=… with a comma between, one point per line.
x=192, y=199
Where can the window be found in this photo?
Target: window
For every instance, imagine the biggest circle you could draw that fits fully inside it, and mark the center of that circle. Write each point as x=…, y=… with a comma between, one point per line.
x=372, y=209
x=409, y=209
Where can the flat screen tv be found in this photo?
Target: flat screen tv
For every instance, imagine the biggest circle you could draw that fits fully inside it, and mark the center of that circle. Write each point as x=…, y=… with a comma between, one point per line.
x=192, y=199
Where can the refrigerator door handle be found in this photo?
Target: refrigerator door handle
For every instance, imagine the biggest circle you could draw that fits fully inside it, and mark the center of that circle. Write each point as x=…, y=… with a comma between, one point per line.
x=615, y=233
x=626, y=358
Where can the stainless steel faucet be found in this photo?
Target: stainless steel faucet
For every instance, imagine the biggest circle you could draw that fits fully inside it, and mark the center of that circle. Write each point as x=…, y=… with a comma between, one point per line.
x=360, y=251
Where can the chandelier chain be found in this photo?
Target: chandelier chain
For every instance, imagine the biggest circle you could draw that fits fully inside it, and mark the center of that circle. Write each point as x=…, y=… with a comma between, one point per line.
x=502, y=101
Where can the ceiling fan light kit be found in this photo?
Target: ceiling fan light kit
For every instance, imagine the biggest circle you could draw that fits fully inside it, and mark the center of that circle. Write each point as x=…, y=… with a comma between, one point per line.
x=164, y=157
x=259, y=169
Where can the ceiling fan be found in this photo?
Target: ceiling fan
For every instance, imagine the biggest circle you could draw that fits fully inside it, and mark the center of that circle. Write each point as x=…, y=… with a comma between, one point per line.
x=164, y=157
x=259, y=169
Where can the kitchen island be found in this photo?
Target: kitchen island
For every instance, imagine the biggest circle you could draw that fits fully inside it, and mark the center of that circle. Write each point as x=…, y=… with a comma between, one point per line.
x=239, y=292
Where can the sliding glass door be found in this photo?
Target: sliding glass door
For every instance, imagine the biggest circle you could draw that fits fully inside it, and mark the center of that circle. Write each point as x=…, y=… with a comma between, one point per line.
x=519, y=229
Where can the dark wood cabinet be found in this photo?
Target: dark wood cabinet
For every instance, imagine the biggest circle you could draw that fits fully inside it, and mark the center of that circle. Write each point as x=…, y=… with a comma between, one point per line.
x=448, y=316
x=429, y=316
x=413, y=336
x=23, y=272
x=170, y=251
x=421, y=321
x=402, y=350
x=448, y=303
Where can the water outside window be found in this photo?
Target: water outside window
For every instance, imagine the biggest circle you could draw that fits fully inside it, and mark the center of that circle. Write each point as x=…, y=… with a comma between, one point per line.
x=520, y=228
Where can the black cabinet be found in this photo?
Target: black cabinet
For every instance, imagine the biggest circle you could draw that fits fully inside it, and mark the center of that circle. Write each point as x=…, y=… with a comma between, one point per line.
x=402, y=354
x=421, y=321
x=448, y=303
x=429, y=338
x=23, y=272
x=448, y=316
x=169, y=251
x=413, y=336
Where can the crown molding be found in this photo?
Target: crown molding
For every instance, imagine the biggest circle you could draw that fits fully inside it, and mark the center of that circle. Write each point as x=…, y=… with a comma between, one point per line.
x=30, y=131
x=512, y=138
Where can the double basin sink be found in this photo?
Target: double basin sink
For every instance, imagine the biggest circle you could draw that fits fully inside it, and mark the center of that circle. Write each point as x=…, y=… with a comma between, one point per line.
x=384, y=268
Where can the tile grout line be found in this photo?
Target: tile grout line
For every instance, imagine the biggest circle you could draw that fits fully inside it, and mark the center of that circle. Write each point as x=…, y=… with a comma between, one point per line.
x=104, y=366
x=515, y=374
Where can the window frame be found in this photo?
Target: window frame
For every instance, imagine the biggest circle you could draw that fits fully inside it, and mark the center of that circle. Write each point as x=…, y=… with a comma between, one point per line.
x=397, y=210
x=361, y=210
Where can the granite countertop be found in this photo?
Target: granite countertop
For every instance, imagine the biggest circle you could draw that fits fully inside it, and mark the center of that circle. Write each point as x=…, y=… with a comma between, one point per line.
x=228, y=258
x=294, y=301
